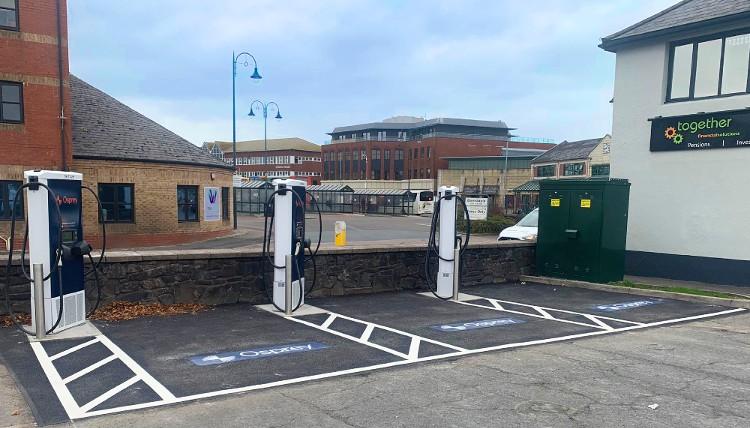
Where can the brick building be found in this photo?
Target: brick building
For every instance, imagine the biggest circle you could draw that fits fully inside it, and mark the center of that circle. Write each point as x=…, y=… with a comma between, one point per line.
x=284, y=158
x=150, y=180
x=406, y=148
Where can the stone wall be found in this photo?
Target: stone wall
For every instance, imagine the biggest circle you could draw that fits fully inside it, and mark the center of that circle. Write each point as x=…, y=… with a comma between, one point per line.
x=231, y=276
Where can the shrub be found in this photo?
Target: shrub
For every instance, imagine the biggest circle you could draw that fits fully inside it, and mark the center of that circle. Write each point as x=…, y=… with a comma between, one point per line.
x=493, y=225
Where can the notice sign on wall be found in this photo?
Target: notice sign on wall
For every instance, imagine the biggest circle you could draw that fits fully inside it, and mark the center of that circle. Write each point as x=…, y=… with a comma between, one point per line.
x=477, y=208
x=211, y=204
x=719, y=130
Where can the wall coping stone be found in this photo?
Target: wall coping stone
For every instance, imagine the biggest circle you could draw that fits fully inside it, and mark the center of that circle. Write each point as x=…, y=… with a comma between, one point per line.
x=255, y=251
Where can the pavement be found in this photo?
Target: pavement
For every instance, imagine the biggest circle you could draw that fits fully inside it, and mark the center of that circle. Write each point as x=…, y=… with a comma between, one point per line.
x=664, y=282
x=693, y=374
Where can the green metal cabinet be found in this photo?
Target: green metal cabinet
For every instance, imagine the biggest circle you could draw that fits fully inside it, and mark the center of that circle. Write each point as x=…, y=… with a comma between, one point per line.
x=582, y=229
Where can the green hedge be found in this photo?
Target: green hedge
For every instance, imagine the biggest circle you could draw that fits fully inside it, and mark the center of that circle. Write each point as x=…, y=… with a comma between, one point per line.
x=493, y=224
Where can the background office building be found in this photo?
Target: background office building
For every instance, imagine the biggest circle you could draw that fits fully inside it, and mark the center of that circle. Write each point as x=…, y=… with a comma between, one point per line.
x=681, y=131
x=411, y=148
x=274, y=158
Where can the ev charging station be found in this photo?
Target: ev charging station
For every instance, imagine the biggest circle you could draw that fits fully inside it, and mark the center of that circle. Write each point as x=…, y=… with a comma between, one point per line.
x=446, y=271
x=62, y=261
x=450, y=247
x=289, y=243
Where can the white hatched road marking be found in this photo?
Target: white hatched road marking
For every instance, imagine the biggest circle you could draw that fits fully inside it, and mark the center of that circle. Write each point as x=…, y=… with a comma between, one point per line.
x=76, y=412
x=544, y=312
x=89, y=369
x=400, y=363
x=59, y=385
x=109, y=394
x=73, y=349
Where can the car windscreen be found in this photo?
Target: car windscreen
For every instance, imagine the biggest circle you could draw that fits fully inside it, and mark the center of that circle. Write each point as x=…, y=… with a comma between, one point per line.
x=530, y=220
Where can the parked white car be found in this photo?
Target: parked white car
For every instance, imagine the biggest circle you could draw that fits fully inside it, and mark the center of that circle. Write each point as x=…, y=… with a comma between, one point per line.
x=524, y=230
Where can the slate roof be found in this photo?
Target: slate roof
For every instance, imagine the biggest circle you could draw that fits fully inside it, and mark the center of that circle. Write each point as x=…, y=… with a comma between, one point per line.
x=529, y=186
x=273, y=144
x=329, y=188
x=385, y=125
x=569, y=150
x=683, y=16
x=104, y=128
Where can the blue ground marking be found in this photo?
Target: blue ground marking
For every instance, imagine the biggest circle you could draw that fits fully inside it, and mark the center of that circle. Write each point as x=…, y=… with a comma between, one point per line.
x=254, y=354
x=624, y=306
x=473, y=325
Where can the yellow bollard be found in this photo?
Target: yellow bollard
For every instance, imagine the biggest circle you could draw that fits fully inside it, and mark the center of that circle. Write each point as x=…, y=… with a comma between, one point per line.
x=340, y=231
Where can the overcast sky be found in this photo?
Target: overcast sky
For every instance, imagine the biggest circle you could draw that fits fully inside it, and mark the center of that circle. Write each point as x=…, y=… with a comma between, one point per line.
x=534, y=64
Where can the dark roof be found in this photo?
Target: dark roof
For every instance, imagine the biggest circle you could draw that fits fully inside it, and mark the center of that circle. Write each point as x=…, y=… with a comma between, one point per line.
x=104, y=128
x=529, y=186
x=497, y=124
x=273, y=144
x=569, y=150
x=329, y=188
x=683, y=16
x=255, y=184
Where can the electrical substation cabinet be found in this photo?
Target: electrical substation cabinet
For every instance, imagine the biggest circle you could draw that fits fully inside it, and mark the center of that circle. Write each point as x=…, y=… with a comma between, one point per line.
x=582, y=229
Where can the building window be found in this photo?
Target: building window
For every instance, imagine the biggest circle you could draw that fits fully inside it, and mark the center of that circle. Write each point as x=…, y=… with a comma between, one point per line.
x=8, y=191
x=376, y=155
x=421, y=172
x=573, y=169
x=421, y=153
x=117, y=202
x=600, y=170
x=429, y=171
x=399, y=154
x=187, y=203
x=225, y=203
x=544, y=171
x=9, y=15
x=709, y=67
x=11, y=101
x=429, y=152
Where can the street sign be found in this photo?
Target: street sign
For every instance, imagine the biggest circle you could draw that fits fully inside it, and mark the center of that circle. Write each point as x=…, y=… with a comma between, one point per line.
x=477, y=208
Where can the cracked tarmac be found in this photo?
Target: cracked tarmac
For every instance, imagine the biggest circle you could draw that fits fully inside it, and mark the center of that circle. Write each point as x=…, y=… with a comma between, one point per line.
x=698, y=373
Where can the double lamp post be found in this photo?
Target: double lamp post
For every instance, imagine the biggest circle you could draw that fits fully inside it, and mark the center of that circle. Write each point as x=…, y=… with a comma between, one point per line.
x=261, y=106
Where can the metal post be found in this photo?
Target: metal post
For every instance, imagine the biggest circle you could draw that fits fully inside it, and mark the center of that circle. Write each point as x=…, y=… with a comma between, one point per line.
x=288, y=295
x=456, y=272
x=234, y=133
x=41, y=327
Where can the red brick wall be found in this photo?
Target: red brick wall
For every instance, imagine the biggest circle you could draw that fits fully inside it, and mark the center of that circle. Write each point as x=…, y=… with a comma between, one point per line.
x=30, y=56
x=440, y=147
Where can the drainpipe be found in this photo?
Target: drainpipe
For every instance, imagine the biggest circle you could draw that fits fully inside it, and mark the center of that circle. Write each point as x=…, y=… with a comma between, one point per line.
x=61, y=88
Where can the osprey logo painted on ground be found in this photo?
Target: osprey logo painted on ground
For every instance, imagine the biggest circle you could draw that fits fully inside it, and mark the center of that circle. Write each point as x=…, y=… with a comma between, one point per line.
x=473, y=325
x=614, y=307
x=252, y=354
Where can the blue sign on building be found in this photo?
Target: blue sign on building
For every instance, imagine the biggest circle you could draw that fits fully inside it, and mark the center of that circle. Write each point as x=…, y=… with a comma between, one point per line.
x=473, y=325
x=253, y=354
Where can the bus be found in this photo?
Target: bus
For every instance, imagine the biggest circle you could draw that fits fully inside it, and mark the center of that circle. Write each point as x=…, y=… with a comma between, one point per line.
x=422, y=201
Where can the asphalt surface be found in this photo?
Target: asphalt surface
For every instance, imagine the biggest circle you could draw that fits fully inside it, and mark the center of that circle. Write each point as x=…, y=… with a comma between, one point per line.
x=359, y=228
x=696, y=374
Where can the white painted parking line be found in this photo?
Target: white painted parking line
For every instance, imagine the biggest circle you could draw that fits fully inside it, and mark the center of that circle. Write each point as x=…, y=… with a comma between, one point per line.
x=89, y=369
x=139, y=371
x=73, y=349
x=541, y=311
x=62, y=392
x=398, y=363
x=109, y=394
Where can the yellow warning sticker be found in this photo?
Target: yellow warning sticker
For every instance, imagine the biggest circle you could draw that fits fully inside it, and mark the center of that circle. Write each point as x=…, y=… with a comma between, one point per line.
x=554, y=202
x=585, y=203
